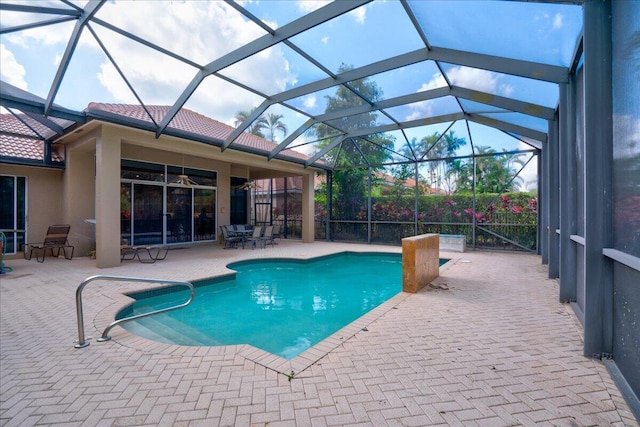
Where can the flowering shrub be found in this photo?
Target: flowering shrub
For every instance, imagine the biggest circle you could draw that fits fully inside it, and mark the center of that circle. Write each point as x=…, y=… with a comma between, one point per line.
x=512, y=215
x=511, y=208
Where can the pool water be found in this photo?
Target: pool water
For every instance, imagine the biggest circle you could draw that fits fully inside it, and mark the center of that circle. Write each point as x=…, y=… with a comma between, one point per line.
x=281, y=306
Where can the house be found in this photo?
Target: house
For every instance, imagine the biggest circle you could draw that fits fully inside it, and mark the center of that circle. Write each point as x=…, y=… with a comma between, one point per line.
x=113, y=173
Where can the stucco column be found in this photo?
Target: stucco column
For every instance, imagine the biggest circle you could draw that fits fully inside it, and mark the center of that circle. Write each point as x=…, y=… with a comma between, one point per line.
x=108, y=150
x=308, y=226
x=78, y=198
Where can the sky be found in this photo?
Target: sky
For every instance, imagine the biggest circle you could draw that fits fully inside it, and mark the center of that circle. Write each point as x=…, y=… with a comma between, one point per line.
x=202, y=31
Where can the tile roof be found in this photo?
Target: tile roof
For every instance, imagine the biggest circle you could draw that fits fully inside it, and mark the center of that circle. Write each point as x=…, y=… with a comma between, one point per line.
x=22, y=141
x=24, y=148
x=190, y=121
x=21, y=137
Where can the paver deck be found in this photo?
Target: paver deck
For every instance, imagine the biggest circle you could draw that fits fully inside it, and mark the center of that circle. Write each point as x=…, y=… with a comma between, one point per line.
x=488, y=345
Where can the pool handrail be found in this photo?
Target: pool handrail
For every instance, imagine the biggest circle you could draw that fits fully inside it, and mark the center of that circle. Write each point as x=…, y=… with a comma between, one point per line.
x=105, y=337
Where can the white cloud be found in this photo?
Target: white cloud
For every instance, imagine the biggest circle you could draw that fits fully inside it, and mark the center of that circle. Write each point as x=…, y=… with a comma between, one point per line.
x=159, y=79
x=529, y=174
x=437, y=80
x=542, y=16
x=310, y=101
x=110, y=79
x=557, y=21
x=325, y=39
x=506, y=89
x=12, y=71
x=359, y=14
x=482, y=80
x=549, y=22
x=473, y=78
x=48, y=35
x=310, y=5
x=420, y=110
x=424, y=109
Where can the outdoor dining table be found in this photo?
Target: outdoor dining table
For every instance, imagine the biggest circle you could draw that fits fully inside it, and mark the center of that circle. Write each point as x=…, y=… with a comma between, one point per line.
x=243, y=234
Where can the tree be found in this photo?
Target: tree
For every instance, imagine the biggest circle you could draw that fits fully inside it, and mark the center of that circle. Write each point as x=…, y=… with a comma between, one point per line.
x=254, y=128
x=401, y=174
x=273, y=123
x=355, y=154
x=439, y=149
x=495, y=172
x=374, y=148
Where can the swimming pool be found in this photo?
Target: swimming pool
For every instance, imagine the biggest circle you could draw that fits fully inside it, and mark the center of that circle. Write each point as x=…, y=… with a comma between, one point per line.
x=282, y=306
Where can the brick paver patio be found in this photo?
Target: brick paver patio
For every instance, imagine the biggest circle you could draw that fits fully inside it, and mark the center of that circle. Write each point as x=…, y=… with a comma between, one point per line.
x=488, y=345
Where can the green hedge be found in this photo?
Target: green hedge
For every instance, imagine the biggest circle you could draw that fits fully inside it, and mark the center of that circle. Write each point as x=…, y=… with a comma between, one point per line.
x=511, y=215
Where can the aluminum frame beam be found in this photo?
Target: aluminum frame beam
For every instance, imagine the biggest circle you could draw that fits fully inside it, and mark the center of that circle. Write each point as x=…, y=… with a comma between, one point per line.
x=420, y=55
x=16, y=98
x=469, y=94
x=568, y=205
x=553, y=198
x=291, y=29
x=76, y=13
x=526, y=69
x=598, y=180
x=84, y=18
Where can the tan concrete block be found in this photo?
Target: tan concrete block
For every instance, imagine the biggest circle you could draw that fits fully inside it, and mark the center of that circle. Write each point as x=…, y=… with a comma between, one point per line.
x=420, y=261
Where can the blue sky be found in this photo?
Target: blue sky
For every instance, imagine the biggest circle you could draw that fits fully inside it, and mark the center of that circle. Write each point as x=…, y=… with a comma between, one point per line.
x=203, y=31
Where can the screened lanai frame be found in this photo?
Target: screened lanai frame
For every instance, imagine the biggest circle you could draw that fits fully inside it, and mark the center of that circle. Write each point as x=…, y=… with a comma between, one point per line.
x=540, y=95
x=447, y=98
x=407, y=55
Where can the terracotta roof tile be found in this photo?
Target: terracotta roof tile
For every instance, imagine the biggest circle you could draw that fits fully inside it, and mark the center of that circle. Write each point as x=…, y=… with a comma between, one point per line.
x=190, y=121
x=25, y=148
x=29, y=146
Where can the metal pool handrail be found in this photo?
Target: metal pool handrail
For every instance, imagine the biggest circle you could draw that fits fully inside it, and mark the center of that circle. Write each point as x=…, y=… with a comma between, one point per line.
x=105, y=337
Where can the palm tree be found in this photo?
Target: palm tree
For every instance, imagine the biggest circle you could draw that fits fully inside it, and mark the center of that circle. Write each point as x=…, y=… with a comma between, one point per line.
x=254, y=128
x=439, y=149
x=273, y=124
x=495, y=172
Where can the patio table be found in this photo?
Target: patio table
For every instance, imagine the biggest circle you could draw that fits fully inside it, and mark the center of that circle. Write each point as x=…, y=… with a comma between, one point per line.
x=243, y=234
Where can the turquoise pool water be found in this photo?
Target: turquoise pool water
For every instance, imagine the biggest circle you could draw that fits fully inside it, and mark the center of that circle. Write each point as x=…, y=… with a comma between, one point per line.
x=281, y=306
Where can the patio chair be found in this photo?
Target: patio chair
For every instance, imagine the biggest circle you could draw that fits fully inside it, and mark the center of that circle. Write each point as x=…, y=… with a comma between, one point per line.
x=55, y=239
x=276, y=233
x=267, y=238
x=230, y=241
x=256, y=236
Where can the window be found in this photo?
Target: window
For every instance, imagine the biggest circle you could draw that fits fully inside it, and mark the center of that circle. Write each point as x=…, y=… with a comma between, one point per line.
x=142, y=171
x=172, y=204
x=13, y=211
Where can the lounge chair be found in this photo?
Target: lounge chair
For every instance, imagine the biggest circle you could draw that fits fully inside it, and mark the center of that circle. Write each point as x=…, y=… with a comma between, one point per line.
x=230, y=241
x=154, y=253
x=56, y=238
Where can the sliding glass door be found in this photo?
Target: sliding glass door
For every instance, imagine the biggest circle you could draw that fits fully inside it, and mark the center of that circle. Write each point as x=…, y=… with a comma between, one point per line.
x=159, y=206
x=13, y=211
x=204, y=214
x=179, y=214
